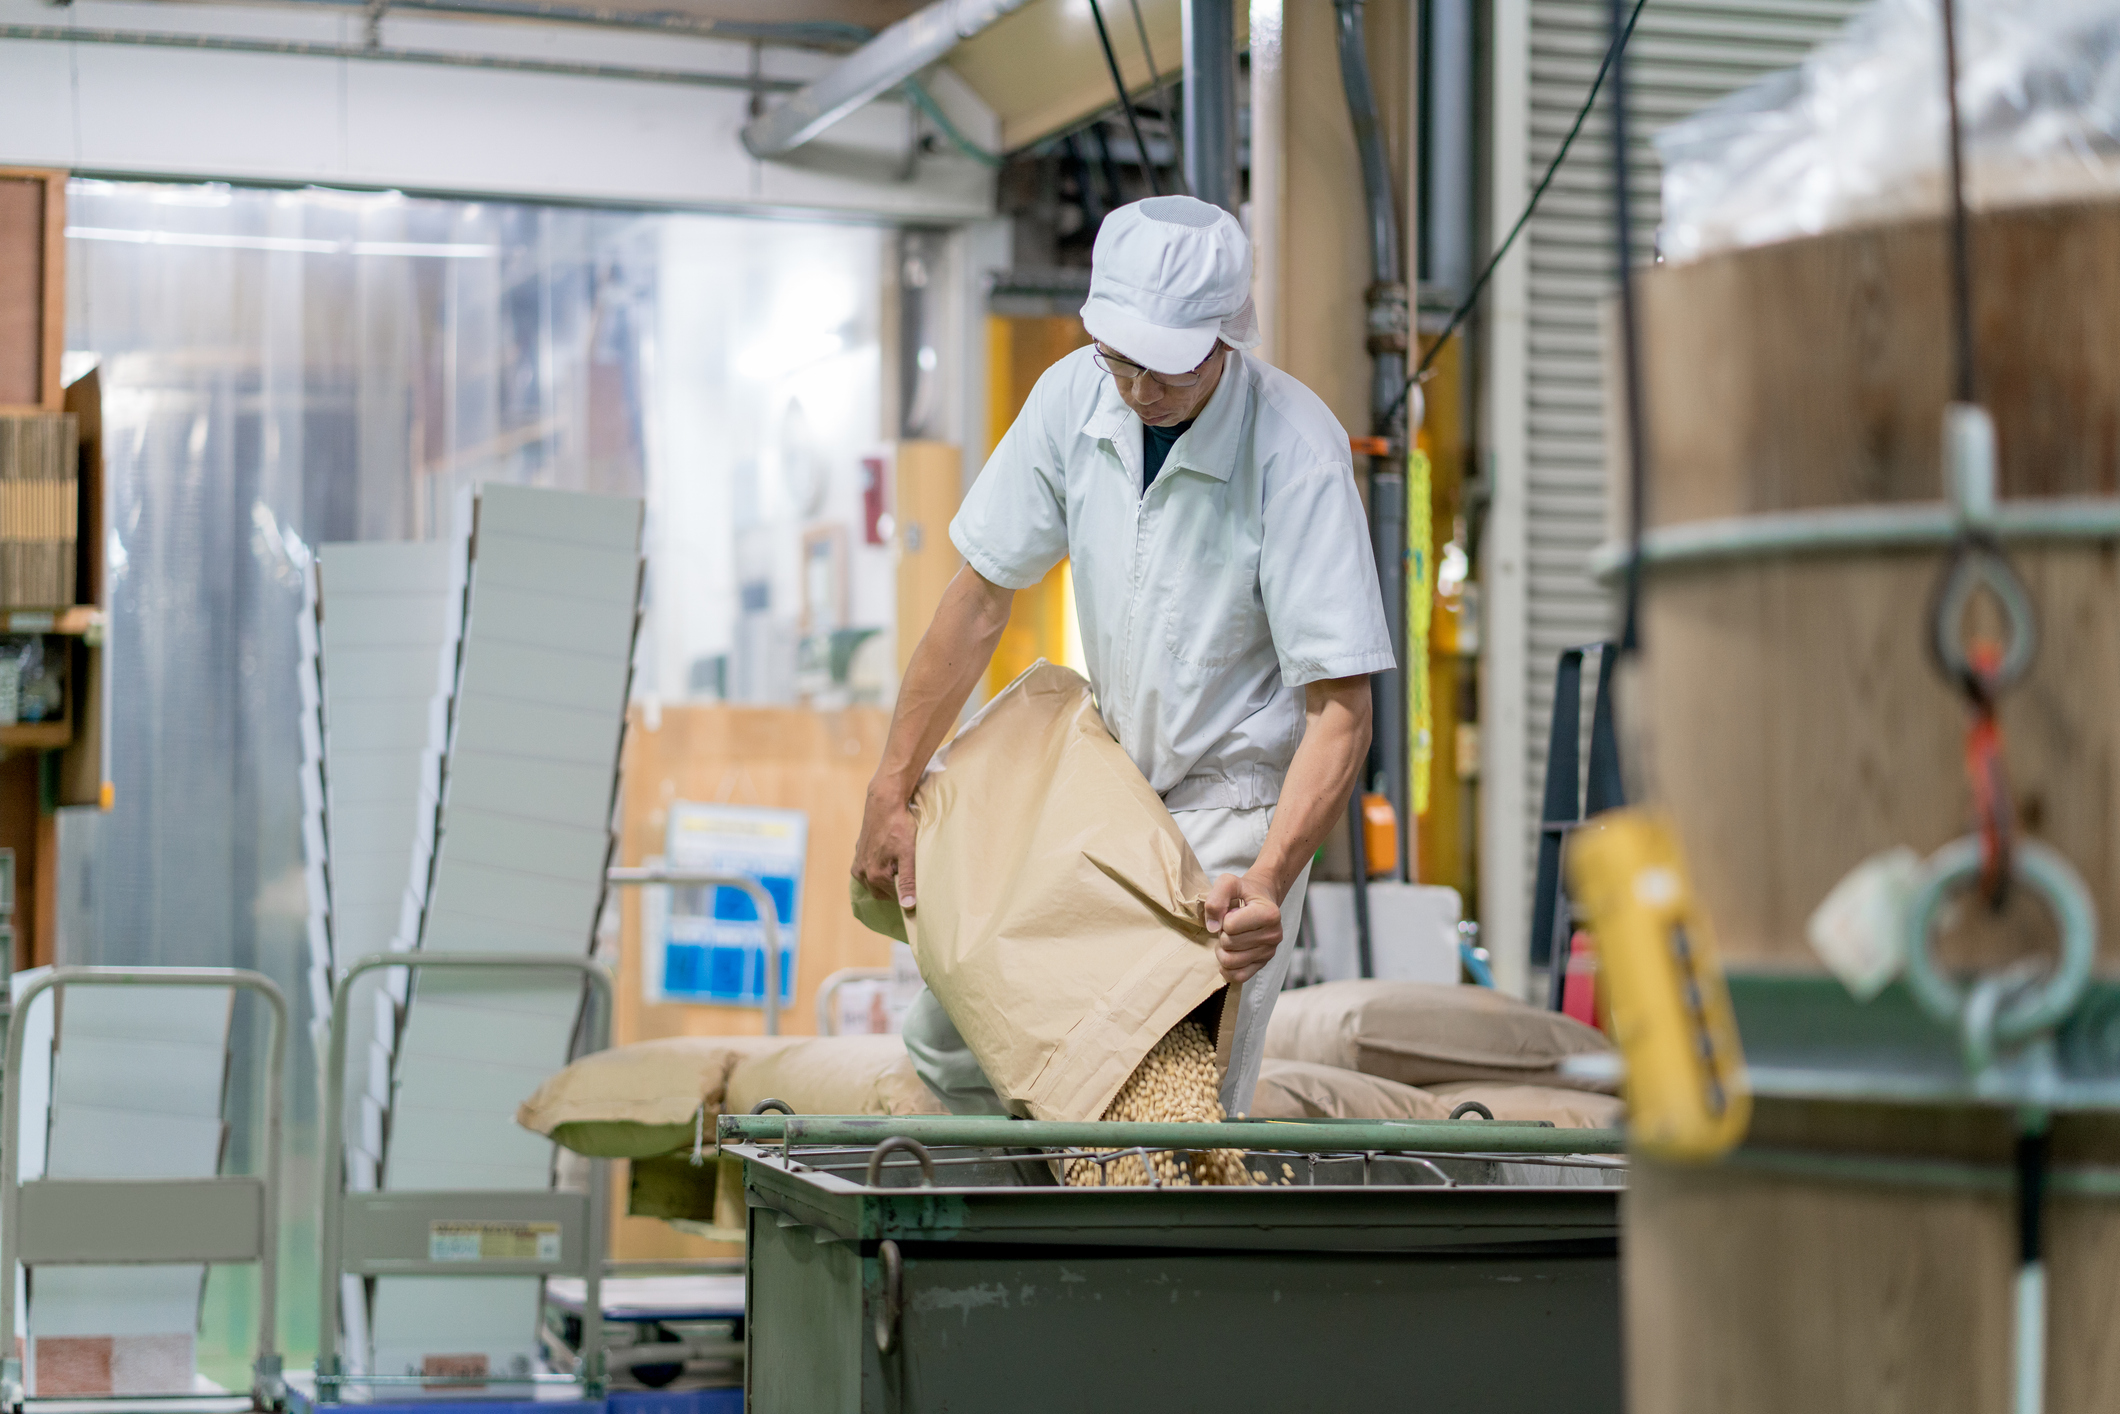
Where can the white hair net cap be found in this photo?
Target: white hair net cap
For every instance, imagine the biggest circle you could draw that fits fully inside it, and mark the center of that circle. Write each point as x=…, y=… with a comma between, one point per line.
x=1169, y=276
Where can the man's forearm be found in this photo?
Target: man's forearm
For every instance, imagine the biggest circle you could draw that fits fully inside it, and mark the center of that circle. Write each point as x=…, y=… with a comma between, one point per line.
x=1327, y=762
x=940, y=676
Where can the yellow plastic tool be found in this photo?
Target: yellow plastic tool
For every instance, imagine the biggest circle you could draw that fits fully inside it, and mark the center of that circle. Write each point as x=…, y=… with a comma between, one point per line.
x=1661, y=988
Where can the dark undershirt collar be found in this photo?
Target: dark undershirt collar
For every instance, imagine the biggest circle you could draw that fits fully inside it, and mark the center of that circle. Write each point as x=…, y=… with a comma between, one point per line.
x=1156, y=443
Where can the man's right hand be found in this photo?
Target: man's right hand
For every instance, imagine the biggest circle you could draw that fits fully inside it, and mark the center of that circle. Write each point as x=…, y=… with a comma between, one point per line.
x=945, y=667
x=883, y=856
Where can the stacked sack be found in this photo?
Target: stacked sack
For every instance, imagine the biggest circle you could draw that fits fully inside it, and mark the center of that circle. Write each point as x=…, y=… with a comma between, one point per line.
x=655, y=1102
x=1418, y=1050
x=662, y=1097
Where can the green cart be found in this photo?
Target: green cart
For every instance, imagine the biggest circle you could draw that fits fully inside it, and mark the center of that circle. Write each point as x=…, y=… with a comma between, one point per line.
x=936, y=1264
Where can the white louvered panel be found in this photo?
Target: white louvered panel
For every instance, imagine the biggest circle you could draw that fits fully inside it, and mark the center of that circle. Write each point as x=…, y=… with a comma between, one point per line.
x=1685, y=54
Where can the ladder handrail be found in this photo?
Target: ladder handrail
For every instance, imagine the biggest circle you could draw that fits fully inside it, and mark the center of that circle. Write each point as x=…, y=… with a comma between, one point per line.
x=330, y=1237
x=267, y=1369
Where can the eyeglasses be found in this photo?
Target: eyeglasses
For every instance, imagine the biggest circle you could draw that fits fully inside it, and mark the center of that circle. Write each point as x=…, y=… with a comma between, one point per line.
x=1126, y=370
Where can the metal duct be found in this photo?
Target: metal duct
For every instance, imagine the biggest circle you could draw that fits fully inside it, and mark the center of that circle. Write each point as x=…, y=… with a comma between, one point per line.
x=1447, y=211
x=229, y=44
x=869, y=72
x=1387, y=349
x=1211, y=102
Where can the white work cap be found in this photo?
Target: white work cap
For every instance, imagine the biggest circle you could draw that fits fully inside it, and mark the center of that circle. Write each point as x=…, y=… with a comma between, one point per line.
x=1169, y=276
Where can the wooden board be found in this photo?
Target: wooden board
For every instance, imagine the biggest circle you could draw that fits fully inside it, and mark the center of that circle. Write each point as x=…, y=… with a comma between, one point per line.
x=818, y=762
x=19, y=831
x=32, y=286
x=1749, y=1293
x=82, y=773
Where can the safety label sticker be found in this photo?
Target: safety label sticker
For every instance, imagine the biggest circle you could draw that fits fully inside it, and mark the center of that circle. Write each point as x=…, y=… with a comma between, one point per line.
x=459, y=1241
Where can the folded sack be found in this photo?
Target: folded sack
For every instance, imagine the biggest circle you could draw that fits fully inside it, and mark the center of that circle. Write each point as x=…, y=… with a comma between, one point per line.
x=1061, y=920
x=1427, y=1033
x=834, y=1075
x=1291, y=1089
x=636, y=1101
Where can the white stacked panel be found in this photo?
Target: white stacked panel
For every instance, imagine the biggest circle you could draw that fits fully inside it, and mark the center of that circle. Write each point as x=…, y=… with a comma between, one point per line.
x=136, y=1085
x=384, y=612
x=316, y=829
x=386, y=615
x=522, y=842
x=387, y=650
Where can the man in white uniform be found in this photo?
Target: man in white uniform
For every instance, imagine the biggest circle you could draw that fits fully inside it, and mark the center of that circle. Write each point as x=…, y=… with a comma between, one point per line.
x=1228, y=599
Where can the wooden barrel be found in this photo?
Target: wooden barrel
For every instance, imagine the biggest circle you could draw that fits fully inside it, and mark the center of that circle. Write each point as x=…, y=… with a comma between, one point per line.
x=1853, y=1255
x=1861, y=1259
x=1795, y=722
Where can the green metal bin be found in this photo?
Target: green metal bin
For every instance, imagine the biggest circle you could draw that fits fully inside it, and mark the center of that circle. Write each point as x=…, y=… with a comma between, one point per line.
x=1350, y=1279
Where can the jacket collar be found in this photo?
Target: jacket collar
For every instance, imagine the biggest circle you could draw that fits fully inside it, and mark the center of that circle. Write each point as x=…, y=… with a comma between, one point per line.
x=1208, y=447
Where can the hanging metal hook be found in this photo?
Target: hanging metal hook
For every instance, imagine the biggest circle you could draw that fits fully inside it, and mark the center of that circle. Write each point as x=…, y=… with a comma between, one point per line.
x=1978, y=563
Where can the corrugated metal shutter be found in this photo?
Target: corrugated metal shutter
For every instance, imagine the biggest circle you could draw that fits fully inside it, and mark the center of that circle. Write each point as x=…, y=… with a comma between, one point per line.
x=1684, y=55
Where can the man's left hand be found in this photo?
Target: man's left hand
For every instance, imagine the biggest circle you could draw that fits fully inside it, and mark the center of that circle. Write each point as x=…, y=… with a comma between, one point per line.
x=1247, y=913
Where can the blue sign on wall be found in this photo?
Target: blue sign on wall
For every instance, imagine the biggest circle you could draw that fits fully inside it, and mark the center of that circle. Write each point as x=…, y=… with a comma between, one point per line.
x=708, y=944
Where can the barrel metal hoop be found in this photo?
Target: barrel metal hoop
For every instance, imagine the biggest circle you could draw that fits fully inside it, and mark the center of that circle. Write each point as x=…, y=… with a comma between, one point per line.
x=2003, y=1010
x=1910, y=525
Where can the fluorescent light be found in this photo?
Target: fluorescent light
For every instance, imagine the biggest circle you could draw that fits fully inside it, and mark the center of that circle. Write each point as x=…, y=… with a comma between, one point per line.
x=106, y=233
x=426, y=249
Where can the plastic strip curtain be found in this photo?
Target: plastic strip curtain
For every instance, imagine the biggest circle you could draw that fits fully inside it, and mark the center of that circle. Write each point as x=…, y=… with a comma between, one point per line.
x=287, y=368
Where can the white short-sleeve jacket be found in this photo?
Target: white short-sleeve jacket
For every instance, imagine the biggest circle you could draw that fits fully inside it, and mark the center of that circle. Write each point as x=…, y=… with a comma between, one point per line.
x=1207, y=603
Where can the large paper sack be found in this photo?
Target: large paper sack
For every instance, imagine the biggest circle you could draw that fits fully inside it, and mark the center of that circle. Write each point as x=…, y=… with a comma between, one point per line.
x=1061, y=917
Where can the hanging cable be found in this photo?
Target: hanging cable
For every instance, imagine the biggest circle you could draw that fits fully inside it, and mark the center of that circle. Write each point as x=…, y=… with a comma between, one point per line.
x=1980, y=671
x=1133, y=121
x=1479, y=284
x=1630, y=328
x=925, y=102
x=1155, y=79
x=1961, y=255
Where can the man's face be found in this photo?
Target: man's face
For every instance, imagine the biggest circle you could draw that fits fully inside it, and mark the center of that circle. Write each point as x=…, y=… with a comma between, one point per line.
x=1160, y=404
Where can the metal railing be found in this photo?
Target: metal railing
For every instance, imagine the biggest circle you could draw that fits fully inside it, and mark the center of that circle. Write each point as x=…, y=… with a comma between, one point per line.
x=393, y=1226
x=827, y=1024
x=233, y=1218
x=768, y=917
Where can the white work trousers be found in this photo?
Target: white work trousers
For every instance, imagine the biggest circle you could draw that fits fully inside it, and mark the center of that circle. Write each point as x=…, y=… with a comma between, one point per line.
x=1227, y=841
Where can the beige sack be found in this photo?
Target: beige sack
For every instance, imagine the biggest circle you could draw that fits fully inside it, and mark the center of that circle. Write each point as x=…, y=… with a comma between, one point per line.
x=1290, y=1089
x=1423, y=1033
x=635, y=1101
x=1565, y=1109
x=1060, y=920
x=834, y=1075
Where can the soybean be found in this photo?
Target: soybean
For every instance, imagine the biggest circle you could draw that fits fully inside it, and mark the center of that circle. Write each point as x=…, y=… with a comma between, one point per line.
x=1178, y=1081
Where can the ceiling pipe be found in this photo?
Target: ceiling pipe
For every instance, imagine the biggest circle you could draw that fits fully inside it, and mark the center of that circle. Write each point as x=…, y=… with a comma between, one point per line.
x=1210, y=101
x=230, y=44
x=869, y=72
x=831, y=34
x=1386, y=298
